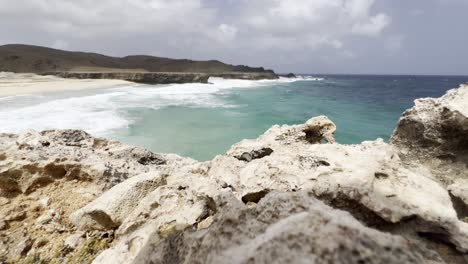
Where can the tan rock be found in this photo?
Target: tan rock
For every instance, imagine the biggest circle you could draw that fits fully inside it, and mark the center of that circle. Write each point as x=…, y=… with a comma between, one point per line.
x=109, y=210
x=73, y=241
x=44, y=202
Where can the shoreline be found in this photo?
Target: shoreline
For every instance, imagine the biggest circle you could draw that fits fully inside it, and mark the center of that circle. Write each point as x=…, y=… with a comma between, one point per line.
x=15, y=84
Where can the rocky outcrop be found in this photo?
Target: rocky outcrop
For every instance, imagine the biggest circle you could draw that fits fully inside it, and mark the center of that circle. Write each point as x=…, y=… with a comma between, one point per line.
x=138, y=77
x=266, y=75
x=288, y=75
x=164, y=77
x=291, y=195
x=434, y=132
x=34, y=159
x=46, y=176
x=281, y=228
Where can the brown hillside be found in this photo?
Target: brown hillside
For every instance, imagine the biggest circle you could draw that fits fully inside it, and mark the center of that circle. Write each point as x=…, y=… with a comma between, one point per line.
x=35, y=59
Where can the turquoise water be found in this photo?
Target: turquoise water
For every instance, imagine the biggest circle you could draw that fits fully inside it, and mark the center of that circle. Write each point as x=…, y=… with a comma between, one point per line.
x=363, y=108
x=201, y=121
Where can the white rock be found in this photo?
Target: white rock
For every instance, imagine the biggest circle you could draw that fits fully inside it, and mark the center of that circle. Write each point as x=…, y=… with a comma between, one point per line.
x=73, y=241
x=44, y=202
x=46, y=217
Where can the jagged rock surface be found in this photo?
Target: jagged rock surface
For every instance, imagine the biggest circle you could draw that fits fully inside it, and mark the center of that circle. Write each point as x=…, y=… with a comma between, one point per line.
x=45, y=176
x=281, y=228
x=435, y=133
x=406, y=201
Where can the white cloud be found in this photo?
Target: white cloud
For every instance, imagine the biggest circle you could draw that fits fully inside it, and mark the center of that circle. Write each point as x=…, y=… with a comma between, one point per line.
x=311, y=23
x=373, y=26
x=226, y=33
x=60, y=44
x=91, y=18
x=196, y=27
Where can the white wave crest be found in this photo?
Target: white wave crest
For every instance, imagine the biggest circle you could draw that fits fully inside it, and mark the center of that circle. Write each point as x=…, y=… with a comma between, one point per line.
x=108, y=110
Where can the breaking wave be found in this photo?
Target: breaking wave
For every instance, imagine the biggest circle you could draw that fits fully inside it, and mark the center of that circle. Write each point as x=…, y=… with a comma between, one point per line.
x=106, y=110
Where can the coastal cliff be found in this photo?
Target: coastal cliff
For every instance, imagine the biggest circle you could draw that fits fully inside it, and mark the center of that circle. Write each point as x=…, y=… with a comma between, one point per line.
x=138, y=77
x=163, y=77
x=293, y=194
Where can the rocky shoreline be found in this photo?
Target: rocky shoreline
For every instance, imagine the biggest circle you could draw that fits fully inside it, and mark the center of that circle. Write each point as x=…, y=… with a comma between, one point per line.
x=285, y=197
x=163, y=77
x=137, y=77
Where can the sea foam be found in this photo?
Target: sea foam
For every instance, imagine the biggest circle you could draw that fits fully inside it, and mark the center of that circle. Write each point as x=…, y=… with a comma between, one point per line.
x=101, y=113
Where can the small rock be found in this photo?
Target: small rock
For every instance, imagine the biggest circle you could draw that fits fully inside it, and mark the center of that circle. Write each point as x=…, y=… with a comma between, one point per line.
x=46, y=217
x=18, y=216
x=40, y=242
x=255, y=154
x=254, y=197
x=205, y=223
x=4, y=201
x=74, y=240
x=3, y=249
x=45, y=202
x=167, y=229
x=3, y=224
x=319, y=128
x=22, y=247
x=54, y=228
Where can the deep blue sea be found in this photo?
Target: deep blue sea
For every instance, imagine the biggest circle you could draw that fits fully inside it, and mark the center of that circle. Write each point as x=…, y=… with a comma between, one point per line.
x=203, y=120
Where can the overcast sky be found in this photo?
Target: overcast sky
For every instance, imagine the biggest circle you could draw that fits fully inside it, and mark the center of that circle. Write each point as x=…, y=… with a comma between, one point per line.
x=305, y=36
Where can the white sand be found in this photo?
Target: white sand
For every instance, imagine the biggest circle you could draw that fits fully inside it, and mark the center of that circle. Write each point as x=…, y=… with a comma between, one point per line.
x=25, y=83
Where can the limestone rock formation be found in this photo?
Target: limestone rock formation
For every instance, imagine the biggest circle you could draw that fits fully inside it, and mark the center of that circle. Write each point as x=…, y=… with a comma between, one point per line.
x=435, y=133
x=34, y=159
x=45, y=176
x=281, y=228
x=138, y=77
x=283, y=197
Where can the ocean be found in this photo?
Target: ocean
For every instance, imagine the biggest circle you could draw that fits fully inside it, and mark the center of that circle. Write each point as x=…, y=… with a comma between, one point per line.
x=204, y=120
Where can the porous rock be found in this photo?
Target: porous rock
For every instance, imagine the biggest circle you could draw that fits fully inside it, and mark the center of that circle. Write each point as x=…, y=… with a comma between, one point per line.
x=435, y=133
x=108, y=210
x=282, y=228
x=318, y=128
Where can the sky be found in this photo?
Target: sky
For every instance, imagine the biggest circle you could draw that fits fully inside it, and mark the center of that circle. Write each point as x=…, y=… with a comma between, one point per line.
x=302, y=36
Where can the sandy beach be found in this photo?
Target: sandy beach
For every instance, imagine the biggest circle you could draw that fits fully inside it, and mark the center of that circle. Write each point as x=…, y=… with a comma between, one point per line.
x=25, y=83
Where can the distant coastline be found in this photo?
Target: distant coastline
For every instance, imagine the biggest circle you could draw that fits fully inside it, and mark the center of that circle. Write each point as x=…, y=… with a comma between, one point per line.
x=140, y=68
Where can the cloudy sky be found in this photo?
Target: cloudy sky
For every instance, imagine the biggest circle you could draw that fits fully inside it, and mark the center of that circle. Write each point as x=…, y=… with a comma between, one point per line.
x=308, y=36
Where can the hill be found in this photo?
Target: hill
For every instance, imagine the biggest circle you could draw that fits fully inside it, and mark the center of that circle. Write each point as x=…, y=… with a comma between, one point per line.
x=35, y=59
